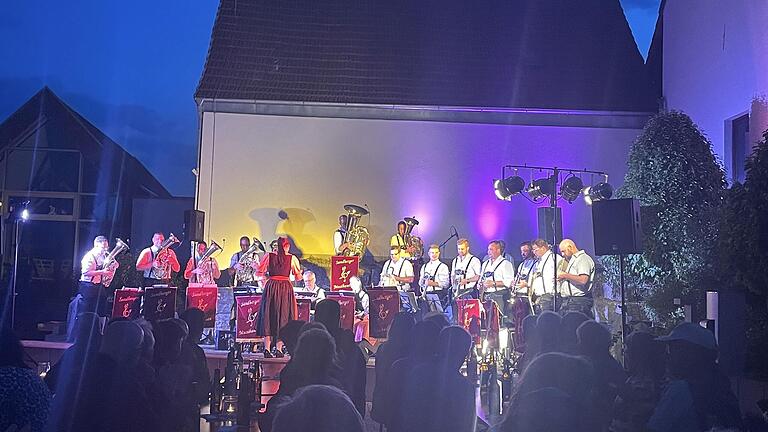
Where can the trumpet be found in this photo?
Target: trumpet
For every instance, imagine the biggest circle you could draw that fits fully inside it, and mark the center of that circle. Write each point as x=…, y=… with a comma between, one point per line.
x=110, y=263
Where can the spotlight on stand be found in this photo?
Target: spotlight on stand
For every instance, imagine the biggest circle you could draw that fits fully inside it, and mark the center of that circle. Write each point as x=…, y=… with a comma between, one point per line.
x=506, y=188
x=599, y=192
x=541, y=188
x=571, y=188
x=25, y=215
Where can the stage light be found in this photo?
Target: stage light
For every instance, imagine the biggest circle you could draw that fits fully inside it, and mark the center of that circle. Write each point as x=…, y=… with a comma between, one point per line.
x=541, y=188
x=571, y=188
x=506, y=188
x=24, y=214
x=598, y=192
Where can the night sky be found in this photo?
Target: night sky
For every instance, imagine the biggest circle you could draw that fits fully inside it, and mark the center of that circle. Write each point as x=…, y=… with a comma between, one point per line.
x=131, y=68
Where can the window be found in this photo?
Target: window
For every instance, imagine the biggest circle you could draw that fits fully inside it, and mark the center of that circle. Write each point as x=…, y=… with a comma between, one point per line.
x=740, y=147
x=43, y=170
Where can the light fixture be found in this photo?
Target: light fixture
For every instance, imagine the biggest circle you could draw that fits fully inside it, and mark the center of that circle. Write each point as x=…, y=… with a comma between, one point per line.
x=506, y=188
x=598, y=192
x=571, y=188
x=25, y=214
x=541, y=188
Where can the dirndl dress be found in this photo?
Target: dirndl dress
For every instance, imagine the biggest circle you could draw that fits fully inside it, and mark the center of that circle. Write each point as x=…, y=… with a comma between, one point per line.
x=278, y=303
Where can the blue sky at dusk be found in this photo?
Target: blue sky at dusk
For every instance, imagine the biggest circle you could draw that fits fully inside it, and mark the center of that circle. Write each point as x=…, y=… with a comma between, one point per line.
x=131, y=68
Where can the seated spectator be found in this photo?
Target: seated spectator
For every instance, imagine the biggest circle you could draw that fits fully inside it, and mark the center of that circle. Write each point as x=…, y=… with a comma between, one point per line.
x=698, y=396
x=113, y=396
x=645, y=363
x=289, y=334
x=423, y=351
x=438, y=318
x=438, y=397
x=394, y=348
x=595, y=344
x=350, y=356
x=568, y=374
x=24, y=398
x=568, y=340
x=318, y=408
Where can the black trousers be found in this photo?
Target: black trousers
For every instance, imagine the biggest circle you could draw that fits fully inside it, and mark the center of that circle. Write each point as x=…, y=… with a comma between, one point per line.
x=94, y=298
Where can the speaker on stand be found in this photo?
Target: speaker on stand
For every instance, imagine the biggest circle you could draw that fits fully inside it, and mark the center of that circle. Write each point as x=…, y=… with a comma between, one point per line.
x=617, y=231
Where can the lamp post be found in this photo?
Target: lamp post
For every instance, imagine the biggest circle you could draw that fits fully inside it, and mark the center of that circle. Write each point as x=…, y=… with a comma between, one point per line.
x=22, y=217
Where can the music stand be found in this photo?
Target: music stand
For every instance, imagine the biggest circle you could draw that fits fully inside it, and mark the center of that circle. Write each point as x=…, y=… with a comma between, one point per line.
x=433, y=302
x=408, y=301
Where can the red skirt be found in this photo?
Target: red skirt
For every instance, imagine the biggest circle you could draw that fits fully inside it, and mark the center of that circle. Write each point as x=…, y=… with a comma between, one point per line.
x=278, y=306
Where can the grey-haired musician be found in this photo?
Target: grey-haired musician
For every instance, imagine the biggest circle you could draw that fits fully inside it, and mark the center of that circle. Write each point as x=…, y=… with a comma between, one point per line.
x=576, y=279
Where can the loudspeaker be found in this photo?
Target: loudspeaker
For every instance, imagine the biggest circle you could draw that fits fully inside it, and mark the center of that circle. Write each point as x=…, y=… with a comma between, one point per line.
x=616, y=227
x=194, y=222
x=731, y=331
x=546, y=222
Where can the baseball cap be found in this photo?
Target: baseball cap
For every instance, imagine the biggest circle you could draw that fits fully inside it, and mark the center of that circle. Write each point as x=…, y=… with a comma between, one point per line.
x=691, y=333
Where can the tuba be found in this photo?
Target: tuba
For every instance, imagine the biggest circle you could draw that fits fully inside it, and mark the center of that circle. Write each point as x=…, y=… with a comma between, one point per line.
x=356, y=236
x=212, y=249
x=248, y=275
x=162, y=268
x=411, y=240
x=111, y=263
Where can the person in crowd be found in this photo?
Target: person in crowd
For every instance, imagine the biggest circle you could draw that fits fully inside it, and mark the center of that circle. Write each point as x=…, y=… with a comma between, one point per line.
x=438, y=397
x=75, y=359
x=318, y=408
x=548, y=409
x=423, y=351
x=594, y=342
x=698, y=396
x=527, y=347
x=24, y=398
x=113, y=393
x=570, y=375
x=313, y=362
x=546, y=338
x=438, y=318
x=194, y=357
x=644, y=361
x=289, y=334
x=65, y=376
x=568, y=339
x=394, y=348
x=350, y=357
x=174, y=375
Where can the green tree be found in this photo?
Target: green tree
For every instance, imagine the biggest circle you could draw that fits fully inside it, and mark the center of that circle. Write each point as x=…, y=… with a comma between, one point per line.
x=673, y=173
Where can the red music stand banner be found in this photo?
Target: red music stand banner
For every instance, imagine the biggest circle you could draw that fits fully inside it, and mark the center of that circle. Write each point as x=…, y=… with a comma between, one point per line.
x=493, y=323
x=204, y=297
x=469, y=316
x=159, y=303
x=127, y=303
x=347, y=306
x=304, y=306
x=343, y=268
x=247, y=318
x=384, y=305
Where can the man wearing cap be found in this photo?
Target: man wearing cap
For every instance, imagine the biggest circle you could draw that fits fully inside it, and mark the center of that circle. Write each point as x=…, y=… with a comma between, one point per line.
x=698, y=396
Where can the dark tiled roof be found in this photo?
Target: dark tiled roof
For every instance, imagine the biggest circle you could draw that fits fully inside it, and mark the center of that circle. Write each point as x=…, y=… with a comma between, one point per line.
x=560, y=54
x=73, y=131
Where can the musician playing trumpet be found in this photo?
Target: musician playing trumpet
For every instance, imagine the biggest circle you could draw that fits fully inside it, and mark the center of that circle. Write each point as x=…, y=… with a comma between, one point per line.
x=205, y=271
x=158, y=262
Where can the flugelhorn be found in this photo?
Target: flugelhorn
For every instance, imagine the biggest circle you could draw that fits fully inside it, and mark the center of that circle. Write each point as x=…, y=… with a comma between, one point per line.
x=110, y=262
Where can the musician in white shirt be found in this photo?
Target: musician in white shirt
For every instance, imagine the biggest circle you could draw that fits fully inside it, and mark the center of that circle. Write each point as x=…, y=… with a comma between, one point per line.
x=310, y=285
x=576, y=279
x=542, y=279
x=435, y=275
x=497, y=273
x=397, y=271
x=465, y=269
x=338, y=236
x=91, y=289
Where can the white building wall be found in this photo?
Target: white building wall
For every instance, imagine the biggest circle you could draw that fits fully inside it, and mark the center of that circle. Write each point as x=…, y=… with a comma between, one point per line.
x=254, y=166
x=716, y=64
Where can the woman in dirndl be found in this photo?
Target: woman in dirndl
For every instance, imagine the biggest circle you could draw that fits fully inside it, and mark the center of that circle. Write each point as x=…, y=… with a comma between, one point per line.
x=278, y=303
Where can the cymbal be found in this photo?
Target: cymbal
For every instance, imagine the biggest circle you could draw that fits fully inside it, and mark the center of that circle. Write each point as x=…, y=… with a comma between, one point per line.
x=355, y=210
